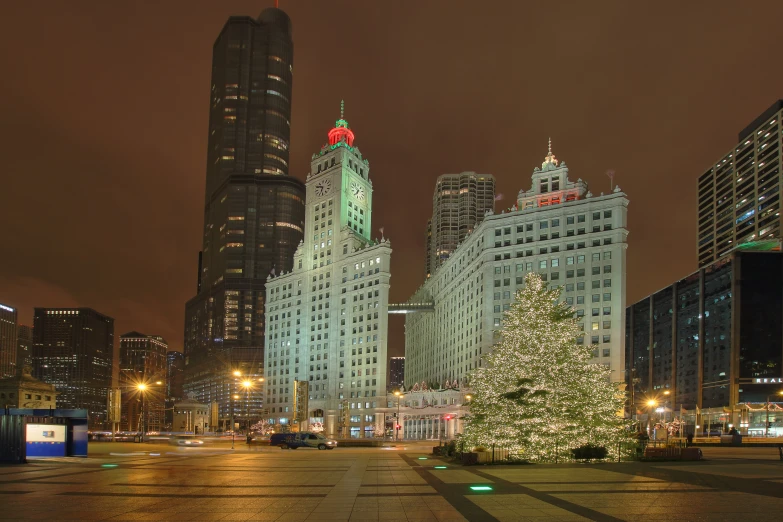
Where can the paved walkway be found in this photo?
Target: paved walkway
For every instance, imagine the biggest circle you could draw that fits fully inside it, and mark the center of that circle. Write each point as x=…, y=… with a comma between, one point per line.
x=148, y=482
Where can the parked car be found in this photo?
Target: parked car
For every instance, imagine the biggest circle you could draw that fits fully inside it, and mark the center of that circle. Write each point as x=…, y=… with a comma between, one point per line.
x=304, y=439
x=185, y=440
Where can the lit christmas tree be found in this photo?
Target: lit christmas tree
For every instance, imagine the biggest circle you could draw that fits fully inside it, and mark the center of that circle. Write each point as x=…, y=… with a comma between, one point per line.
x=537, y=393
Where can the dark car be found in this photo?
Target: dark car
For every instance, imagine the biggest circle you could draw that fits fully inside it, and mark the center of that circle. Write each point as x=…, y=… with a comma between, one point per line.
x=304, y=439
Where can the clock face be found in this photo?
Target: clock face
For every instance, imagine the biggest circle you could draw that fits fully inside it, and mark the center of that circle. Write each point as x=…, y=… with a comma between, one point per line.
x=323, y=187
x=357, y=191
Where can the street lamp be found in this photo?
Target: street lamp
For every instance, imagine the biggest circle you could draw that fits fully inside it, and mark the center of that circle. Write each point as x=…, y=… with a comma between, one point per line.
x=247, y=385
x=397, y=394
x=233, y=399
x=142, y=389
x=652, y=403
x=766, y=426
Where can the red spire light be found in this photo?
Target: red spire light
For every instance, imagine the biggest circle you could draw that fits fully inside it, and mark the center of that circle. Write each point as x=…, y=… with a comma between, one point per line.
x=341, y=130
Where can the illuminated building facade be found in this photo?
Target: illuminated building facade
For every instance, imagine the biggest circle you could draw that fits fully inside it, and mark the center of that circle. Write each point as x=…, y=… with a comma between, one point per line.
x=142, y=361
x=458, y=206
x=572, y=238
x=327, y=318
x=739, y=196
x=73, y=349
x=8, y=341
x=254, y=211
x=712, y=342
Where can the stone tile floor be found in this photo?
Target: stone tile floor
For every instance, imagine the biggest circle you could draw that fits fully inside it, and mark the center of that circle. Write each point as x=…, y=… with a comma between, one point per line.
x=124, y=483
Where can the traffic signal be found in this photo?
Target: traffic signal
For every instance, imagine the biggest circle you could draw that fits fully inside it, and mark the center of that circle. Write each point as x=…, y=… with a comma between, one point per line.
x=448, y=417
x=398, y=426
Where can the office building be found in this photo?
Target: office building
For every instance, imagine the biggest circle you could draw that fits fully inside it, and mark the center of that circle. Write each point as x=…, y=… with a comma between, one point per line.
x=8, y=341
x=711, y=344
x=142, y=364
x=326, y=336
x=73, y=349
x=458, y=206
x=739, y=196
x=253, y=211
x=24, y=346
x=175, y=375
x=396, y=372
x=571, y=237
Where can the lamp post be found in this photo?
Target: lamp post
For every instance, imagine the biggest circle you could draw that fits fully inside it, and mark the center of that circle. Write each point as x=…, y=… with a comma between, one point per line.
x=142, y=389
x=651, y=404
x=766, y=425
x=398, y=394
x=246, y=384
x=234, y=397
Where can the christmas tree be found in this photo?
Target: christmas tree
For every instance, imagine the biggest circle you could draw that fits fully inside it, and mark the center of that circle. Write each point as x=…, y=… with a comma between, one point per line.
x=537, y=393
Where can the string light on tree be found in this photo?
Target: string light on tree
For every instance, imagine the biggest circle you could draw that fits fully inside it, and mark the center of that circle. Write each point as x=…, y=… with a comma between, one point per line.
x=537, y=393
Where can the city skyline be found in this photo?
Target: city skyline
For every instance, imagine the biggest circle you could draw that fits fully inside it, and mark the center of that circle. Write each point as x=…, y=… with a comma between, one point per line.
x=668, y=134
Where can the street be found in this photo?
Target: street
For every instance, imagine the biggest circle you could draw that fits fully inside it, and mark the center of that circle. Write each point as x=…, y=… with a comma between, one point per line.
x=125, y=481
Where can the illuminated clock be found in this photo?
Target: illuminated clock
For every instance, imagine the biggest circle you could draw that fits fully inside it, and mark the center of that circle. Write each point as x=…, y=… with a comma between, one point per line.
x=357, y=191
x=323, y=187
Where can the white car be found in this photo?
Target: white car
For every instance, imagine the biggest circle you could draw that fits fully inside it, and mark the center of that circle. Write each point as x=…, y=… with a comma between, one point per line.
x=185, y=440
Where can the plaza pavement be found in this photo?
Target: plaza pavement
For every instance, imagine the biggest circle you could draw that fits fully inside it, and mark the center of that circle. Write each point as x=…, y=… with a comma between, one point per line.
x=161, y=482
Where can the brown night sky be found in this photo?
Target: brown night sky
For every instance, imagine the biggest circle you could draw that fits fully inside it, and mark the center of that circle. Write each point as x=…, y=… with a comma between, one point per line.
x=103, y=126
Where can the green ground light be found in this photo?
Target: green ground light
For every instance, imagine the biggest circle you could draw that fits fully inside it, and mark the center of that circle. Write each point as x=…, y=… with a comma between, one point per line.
x=422, y=458
x=481, y=488
x=441, y=467
x=109, y=465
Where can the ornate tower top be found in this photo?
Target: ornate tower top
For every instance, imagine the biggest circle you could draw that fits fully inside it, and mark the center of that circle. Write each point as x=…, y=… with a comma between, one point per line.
x=341, y=130
x=550, y=159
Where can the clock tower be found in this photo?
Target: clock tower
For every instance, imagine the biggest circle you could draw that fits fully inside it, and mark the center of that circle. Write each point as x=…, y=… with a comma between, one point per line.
x=326, y=364
x=339, y=179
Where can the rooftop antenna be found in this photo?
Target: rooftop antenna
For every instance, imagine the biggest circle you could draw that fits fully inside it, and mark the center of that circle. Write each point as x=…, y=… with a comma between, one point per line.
x=550, y=146
x=342, y=108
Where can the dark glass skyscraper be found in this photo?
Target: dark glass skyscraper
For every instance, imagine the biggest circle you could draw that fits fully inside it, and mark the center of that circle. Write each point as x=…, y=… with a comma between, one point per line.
x=253, y=212
x=74, y=350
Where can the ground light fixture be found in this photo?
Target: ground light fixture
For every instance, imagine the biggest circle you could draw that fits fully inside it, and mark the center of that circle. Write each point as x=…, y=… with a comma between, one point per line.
x=481, y=488
x=441, y=467
x=109, y=465
x=422, y=458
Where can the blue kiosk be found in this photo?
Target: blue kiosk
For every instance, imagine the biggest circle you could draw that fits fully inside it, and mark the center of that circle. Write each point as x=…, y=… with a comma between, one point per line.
x=51, y=432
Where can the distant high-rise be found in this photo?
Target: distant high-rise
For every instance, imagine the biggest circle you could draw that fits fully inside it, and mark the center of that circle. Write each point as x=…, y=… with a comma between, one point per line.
x=73, y=349
x=175, y=375
x=24, y=346
x=396, y=372
x=458, y=206
x=739, y=196
x=7, y=341
x=253, y=212
x=142, y=361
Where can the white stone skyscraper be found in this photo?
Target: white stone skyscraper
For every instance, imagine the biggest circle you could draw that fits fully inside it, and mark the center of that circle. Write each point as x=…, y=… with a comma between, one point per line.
x=557, y=228
x=326, y=320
